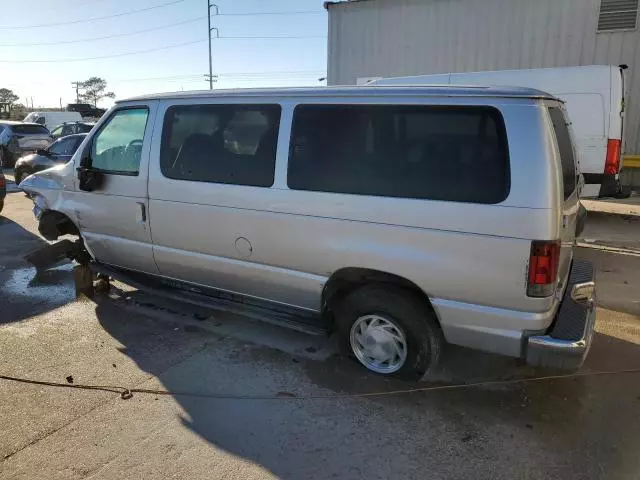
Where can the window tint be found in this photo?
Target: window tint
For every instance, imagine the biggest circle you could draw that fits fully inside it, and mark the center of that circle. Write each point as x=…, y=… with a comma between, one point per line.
x=429, y=152
x=233, y=144
x=565, y=147
x=118, y=146
x=64, y=146
x=29, y=129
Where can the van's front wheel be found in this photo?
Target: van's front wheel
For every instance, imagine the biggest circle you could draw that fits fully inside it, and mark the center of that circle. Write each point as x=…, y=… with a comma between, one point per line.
x=390, y=331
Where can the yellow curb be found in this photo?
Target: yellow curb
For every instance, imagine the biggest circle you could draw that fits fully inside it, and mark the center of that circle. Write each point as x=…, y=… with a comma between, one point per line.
x=631, y=161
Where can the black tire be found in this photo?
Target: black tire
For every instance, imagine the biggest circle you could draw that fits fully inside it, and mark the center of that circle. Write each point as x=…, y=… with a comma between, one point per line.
x=6, y=159
x=407, y=311
x=17, y=177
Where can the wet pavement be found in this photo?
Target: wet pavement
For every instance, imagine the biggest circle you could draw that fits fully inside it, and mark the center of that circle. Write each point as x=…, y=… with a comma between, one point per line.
x=582, y=428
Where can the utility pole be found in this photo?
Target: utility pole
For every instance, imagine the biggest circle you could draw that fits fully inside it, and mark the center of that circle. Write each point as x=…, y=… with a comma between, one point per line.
x=77, y=86
x=209, y=7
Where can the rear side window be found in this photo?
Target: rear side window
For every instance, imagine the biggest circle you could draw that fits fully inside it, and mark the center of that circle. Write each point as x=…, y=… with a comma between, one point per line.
x=454, y=154
x=233, y=144
x=29, y=129
x=565, y=147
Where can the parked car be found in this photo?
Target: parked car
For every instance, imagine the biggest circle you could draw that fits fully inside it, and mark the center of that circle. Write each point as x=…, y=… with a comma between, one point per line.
x=3, y=189
x=52, y=119
x=58, y=152
x=398, y=217
x=19, y=138
x=70, y=128
x=594, y=96
x=86, y=110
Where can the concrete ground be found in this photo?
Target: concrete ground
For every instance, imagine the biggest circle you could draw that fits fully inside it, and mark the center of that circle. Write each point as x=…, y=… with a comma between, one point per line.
x=614, y=224
x=581, y=428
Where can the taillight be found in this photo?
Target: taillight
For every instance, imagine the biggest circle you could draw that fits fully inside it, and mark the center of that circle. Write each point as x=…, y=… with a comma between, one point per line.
x=543, y=268
x=612, y=164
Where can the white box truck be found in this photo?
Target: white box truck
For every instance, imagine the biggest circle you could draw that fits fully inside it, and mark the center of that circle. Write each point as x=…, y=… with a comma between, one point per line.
x=594, y=97
x=52, y=119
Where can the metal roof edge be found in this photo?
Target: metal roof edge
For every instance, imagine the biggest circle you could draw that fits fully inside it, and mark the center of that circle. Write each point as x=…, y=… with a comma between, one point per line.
x=330, y=3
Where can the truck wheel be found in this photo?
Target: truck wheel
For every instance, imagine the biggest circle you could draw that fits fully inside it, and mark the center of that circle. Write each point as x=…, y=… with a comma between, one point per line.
x=390, y=331
x=5, y=159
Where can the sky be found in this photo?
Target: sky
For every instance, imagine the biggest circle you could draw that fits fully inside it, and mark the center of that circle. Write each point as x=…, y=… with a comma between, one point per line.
x=70, y=30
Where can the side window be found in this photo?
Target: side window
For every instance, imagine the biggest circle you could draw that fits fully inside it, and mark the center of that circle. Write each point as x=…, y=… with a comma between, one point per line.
x=233, y=144
x=57, y=131
x=457, y=154
x=565, y=147
x=40, y=120
x=117, y=148
x=79, y=140
x=64, y=146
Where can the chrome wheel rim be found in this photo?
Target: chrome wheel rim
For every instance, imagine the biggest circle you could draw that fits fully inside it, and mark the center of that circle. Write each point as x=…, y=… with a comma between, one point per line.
x=379, y=343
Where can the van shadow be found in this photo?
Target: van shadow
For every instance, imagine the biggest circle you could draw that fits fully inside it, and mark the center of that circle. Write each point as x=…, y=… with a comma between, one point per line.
x=571, y=423
x=25, y=292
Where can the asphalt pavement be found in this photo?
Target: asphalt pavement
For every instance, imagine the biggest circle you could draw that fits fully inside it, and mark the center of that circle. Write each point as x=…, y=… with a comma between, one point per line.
x=212, y=363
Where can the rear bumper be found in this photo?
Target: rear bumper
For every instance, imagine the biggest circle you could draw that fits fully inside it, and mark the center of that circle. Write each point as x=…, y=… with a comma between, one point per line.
x=20, y=151
x=569, y=338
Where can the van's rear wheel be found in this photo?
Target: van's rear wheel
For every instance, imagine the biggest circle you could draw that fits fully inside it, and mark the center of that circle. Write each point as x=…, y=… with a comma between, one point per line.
x=390, y=331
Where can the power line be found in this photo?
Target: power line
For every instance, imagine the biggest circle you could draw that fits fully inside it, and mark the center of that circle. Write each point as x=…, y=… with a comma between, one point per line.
x=91, y=19
x=198, y=77
x=293, y=12
x=276, y=37
x=106, y=37
x=83, y=59
x=281, y=72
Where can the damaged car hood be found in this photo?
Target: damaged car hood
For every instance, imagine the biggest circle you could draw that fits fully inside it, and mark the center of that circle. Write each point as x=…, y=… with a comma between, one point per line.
x=56, y=178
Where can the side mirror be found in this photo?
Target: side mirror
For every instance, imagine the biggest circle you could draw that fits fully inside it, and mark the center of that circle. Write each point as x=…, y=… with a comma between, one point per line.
x=89, y=178
x=43, y=152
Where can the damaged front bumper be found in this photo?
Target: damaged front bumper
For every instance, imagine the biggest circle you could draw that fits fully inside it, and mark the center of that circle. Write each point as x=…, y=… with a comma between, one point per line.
x=39, y=206
x=52, y=254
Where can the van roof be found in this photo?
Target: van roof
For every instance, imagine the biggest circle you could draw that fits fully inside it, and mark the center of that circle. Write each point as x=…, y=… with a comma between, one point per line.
x=17, y=122
x=357, y=91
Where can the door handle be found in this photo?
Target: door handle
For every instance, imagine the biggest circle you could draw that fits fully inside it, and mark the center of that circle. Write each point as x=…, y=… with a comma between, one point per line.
x=143, y=212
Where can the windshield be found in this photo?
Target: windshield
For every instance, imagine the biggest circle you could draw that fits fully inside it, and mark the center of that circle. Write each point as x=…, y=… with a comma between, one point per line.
x=29, y=129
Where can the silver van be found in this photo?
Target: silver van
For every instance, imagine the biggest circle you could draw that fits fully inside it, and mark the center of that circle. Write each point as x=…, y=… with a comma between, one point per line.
x=400, y=218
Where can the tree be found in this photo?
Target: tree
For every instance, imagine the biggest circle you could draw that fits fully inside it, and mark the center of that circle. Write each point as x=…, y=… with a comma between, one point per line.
x=7, y=96
x=95, y=90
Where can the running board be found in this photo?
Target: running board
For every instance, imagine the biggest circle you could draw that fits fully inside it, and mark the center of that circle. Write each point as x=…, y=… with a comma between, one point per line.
x=275, y=314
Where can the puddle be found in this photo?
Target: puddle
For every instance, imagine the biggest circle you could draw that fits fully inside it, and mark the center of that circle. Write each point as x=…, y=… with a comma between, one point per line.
x=53, y=286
